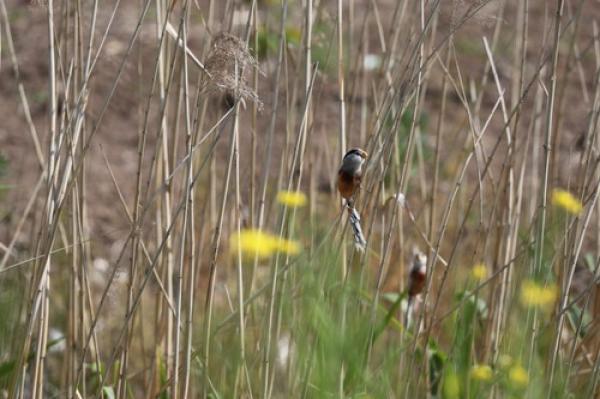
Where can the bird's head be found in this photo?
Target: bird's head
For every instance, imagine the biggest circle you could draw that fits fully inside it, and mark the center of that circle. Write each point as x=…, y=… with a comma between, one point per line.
x=357, y=152
x=353, y=161
x=419, y=262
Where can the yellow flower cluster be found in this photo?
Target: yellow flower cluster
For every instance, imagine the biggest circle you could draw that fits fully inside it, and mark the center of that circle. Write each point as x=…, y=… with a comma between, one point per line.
x=291, y=199
x=567, y=201
x=479, y=272
x=257, y=243
x=534, y=294
x=481, y=372
x=518, y=376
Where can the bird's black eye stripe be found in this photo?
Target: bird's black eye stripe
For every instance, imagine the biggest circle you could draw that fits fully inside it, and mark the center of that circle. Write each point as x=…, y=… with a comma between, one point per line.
x=353, y=151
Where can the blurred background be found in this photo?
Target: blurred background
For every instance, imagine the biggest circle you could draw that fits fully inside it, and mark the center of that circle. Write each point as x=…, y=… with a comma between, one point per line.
x=139, y=138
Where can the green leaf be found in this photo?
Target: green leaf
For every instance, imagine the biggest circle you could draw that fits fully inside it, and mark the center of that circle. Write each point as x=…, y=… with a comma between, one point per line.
x=577, y=317
x=6, y=368
x=437, y=361
x=465, y=332
x=108, y=392
x=3, y=165
x=388, y=317
x=590, y=262
x=391, y=296
x=479, y=304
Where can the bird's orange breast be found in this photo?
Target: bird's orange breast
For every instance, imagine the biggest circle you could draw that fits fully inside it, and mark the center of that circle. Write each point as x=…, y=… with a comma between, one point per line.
x=417, y=279
x=347, y=184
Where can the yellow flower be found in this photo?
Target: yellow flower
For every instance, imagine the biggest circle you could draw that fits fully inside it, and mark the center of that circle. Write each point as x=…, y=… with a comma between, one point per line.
x=533, y=294
x=263, y=245
x=451, y=386
x=479, y=272
x=566, y=200
x=518, y=376
x=481, y=372
x=287, y=246
x=293, y=35
x=291, y=198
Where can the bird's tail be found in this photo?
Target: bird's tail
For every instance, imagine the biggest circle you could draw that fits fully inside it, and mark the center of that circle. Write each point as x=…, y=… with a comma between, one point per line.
x=408, y=316
x=359, y=238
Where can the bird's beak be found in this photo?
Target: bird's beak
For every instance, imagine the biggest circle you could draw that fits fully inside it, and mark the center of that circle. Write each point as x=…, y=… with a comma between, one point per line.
x=364, y=154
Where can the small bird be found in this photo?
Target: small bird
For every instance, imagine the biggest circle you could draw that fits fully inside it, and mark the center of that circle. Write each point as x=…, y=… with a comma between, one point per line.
x=416, y=282
x=349, y=178
x=417, y=274
x=350, y=173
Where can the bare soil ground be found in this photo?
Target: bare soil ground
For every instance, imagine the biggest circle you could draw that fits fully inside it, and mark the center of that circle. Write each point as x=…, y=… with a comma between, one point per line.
x=117, y=135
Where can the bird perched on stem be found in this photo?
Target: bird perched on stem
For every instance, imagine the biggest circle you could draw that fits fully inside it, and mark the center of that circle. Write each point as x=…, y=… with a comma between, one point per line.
x=416, y=282
x=349, y=179
x=350, y=174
